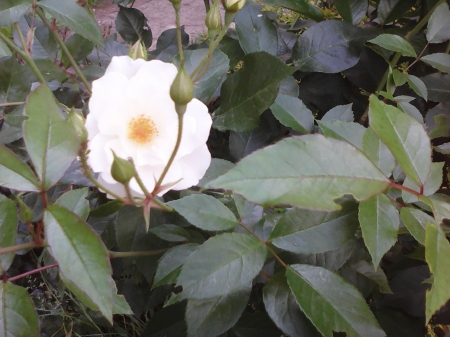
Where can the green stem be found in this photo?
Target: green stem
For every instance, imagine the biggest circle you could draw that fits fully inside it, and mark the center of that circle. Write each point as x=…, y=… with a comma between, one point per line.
x=25, y=56
x=22, y=39
x=178, y=24
x=113, y=255
x=128, y=192
x=11, y=104
x=139, y=180
x=17, y=248
x=64, y=49
x=163, y=205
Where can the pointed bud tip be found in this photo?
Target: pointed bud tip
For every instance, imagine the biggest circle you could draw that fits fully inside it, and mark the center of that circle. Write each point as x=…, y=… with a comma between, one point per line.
x=122, y=170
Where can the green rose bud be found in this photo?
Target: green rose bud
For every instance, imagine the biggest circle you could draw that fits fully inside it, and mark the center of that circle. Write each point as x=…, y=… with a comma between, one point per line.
x=138, y=51
x=122, y=170
x=182, y=89
x=233, y=6
x=213, y=20
x=77, y=121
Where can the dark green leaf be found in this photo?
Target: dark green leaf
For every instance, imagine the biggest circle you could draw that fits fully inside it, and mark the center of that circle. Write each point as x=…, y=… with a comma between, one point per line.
x=44, y=44
x=171, y=233
x=322, y=169
x=18, y=317
x=437, y=254
x=51, y=142
x=75, y=201
x=93, y=72
x=416, y=221
x=258, y=324
x=378, y=276
x=404, y=136
x=394, y=43
x=329, y=310
x=418, y=86
x=75, y=17
x=213, y=316
x=378, y=152
x=283, y=309
x=14, y=80
x=438, y=86
x=352, y=11
x=328, y=47
x=167, y=322
x=299, y=6
x=14, y=173
x=440, y=61
x=50, y=71
x=348, y=131
x=312, y=232
x=79, y=251
x=79, y=48
x=439, y=25
x=132, y=25
x=340, y=112
x=8, y=228
x=289, y=86
x=169, y=266
x=216, y=169
x=12, y=10
x=255, y=30
x=390, y=10
x=379, y=221
x=247, y=93
x=291, y=112
x=205, y=212
x=206, y=272
x=231, y=47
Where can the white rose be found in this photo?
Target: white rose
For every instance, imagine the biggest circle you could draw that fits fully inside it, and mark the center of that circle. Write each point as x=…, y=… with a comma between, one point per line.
x=132, y=114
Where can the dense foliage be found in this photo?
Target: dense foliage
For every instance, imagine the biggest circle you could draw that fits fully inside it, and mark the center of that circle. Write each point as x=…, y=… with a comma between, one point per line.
x=324, y=212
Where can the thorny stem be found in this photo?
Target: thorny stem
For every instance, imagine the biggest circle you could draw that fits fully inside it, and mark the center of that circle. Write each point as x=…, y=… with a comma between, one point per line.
x=31, y=272
x=113, y=255
x=64, y=49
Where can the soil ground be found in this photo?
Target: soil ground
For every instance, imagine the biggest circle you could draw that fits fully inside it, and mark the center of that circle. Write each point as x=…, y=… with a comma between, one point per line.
x=160, y=15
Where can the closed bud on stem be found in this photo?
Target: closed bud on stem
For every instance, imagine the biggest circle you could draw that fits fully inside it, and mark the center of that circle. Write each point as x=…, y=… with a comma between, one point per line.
x=138, y=51
x=122, y=170
x=77, y=121
x=233, y=6
x=213, y=20
x=25, y=213
x=182, y=89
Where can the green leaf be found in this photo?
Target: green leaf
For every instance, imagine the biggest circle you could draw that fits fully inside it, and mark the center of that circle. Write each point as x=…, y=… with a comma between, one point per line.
x=255, y=30
x=75, y=17
x=351, y=132
x=329, y=310
x=283, y=309
x=12, y=10
x=352, y=11
x=378, y=276
x=79, y=251
x=322, y=169
x=437, y=254
x=328, y=47
x=340, y=112
x=443, y=148
x=205, y=88
x=416, y=221
x=311, y=232
x=206, y=272
x=410, y=110
x=14, y=80
x=4, y=50
x=440, y=61
x=75, y=201
x=205, y=212
x=51, y=71
x=399, y=77
x=8, y=228
x=300, y=6
x=379, y=221
x=51, y=142
x=18, y=317
x=394, y=43
x=404, y=136
x=213, y=316
x=44, y=45
x=247, y=93
x=418, y=86
x=291, y=112
x=14, y=173
x=438, y=29
x=378, y=152
x=132, y=26
x=390, y=10
x=121, y=306
x=430, y=186
x=216, y=168
x=440, y=205
x=169, y=266
x=438, y=86
x=171, y=233
x=79, y=48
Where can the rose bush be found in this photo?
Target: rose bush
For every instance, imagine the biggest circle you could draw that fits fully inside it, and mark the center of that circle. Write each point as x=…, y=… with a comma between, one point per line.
x=132, y=114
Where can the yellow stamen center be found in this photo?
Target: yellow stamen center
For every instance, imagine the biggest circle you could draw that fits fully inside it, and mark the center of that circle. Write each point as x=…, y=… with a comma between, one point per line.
x=142, y=130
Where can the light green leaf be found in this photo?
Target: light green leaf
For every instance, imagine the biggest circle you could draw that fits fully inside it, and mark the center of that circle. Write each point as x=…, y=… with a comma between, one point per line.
x=394, y=43
x=341, y=112
x=12, y=10
x=79, y=251
x=300, y=6
x=205, y=212
x=348, y=131
x=379, y=221
x=443, y=148
x=172, y=233
x=437, y=254
x=14, y=173
x=75, y=201
x=418, y=86
x=4, y=50
x=121, y=306
x=438, y=29
x=440, y=61
x=75, y=17
x=378, y=152
x=399, y=78
x=440, y=204
x=329, y=310
x=404, y=136
x=352, y=11
x=311, y=232
x=430, y=185
x=8, y=230
x=51, y=142
x=206, y=272
x=416, y=221
x=18, y=317
x=322, y=169
x=291, y=112
x=213, y=316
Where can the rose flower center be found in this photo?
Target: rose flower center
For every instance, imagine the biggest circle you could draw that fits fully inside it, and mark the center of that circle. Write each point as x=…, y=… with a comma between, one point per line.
x=142, y=130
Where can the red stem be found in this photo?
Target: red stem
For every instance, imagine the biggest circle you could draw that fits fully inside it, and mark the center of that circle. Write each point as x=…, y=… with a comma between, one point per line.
x=404, y=188
x=31, y=272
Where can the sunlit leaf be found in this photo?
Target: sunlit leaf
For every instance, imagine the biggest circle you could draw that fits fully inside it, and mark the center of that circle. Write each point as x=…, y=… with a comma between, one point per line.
x=394, y=43
x=378, y=152
x=430, y=185
x=75, y=201
x=300, y=6
x=348, y=131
